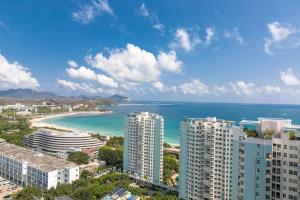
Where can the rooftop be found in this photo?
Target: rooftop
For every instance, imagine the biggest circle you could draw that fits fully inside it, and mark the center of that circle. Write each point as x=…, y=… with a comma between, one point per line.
x=36, y=159
x=63, y=133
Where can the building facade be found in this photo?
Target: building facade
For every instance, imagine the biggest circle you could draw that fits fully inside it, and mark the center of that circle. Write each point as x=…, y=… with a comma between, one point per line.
x=143, y=145
x=206, y=158
x=286, y=164
x=253, y=168
x=29, y=168
x=59, y=142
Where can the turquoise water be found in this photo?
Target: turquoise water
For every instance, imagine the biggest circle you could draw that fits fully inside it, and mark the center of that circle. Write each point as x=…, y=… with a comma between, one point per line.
x=112, y=124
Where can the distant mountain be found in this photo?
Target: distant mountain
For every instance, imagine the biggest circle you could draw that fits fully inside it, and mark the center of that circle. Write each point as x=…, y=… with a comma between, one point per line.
x=33, y=94
x=119, y=98
x=27, y=94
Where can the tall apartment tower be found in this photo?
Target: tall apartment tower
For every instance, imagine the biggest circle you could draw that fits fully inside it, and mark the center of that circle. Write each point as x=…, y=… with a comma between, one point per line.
x=206, y=158
x=286, y=164
x=143, y=145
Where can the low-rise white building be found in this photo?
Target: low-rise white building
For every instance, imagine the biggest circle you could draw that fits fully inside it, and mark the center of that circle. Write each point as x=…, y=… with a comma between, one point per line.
x=29, y=168
x=59, y=142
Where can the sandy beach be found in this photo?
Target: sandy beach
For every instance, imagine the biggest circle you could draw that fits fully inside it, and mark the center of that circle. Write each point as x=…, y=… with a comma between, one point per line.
x=39, y=121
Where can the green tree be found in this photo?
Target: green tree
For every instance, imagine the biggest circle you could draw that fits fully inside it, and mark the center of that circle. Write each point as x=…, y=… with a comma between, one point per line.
x=86, y=174
x=112, y=156
x=166, y=145
x=115, y=142
x=78, y=158
x=28, y=193
x=170, y=166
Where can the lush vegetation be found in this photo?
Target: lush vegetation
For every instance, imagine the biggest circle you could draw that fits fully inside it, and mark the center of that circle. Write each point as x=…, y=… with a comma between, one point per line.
x=171, y=167
x=268, y=134
x=166, y=145
x=78, y=158
x=13, y=129
x=112, y=153
x=250, y=132
x=115, y=142
x=90, y=188
x=112, y=156
x=292, y=135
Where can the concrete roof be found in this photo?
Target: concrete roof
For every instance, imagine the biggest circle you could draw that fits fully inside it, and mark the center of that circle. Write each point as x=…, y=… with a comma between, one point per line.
x=41, y=161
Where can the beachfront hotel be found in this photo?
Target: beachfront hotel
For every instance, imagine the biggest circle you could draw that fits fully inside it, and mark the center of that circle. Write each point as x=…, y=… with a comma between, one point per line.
x=206, y=158
x=58, y=143
x=26, y=167
x=143, y=145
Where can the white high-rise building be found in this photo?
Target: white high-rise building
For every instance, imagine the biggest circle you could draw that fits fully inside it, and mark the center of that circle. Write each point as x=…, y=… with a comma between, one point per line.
x=286, y=164
x=206, y=158
x=143, y=145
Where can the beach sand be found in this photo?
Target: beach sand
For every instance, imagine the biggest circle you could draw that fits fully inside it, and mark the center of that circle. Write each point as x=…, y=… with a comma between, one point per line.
x=39, y=121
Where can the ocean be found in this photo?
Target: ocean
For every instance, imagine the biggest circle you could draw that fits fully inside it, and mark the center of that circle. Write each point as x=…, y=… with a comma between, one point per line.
x=112, y=124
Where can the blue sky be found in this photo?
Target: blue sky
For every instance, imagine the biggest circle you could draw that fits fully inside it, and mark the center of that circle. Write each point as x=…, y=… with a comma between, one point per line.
x=224, y=51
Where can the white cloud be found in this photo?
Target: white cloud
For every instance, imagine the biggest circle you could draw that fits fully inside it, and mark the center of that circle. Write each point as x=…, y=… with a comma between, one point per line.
x=88, y=74
x=134, y=64
x=158, y=85
x=169, y=62
x=220, y=89
x=194, y=87
x=107, y=81
x=242, y=87
x=88, y=12
x=210, y=35
x=280, y=36
x=72, y=63
x=144, y=11
x=235, y=35
x=185, y=40
x=79, y=86
x=270, y=89
x=82, y=73
x=289, y=78
x=14, y=75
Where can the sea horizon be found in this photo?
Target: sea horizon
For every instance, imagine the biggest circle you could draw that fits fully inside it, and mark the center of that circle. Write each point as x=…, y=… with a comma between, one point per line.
x=112, y=124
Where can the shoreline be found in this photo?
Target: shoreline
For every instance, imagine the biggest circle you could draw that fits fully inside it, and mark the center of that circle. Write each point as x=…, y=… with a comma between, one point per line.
x=38, y=121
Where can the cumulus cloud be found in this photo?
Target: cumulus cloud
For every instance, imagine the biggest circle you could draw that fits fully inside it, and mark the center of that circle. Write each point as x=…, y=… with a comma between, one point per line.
x=270, y=89
x=235, y=35
x=210, y=35
x=168, y=61
x=84, y=87
x=289, y=78
x=158, y=85
x=72, y=63
x=242, y=87
x=194, y=87
x=88, y=74
x=144, y=11
x=280, y=37
x=220, y=89
x=184, y=40
x=88, y=12
x=14, y=75
x=134, y=64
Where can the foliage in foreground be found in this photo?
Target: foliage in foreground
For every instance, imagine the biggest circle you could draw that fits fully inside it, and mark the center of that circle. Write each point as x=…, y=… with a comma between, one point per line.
x=78, y=158
x=13, y=131
x=112, y=156
x=90, y=188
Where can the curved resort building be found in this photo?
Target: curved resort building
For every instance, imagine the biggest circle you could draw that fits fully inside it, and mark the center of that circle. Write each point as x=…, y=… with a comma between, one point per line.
x=59, y=142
